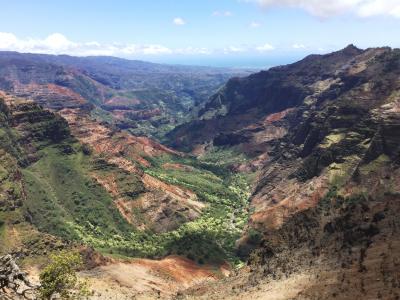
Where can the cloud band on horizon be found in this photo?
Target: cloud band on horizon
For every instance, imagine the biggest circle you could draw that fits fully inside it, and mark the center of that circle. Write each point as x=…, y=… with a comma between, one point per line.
x=57, y=43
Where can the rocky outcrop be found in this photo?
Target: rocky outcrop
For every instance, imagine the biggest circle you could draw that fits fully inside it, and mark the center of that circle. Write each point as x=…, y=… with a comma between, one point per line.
x=13, y=282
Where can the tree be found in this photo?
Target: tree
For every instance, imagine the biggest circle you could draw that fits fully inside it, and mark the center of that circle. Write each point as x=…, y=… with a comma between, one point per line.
x=59, y=278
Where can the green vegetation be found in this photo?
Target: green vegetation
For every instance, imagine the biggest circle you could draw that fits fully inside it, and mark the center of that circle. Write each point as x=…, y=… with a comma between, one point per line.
x=61, y=194
x=212, y=236
x=332, y=139
x=375, y=165
x=2, y=229
x=8, y=143
x=101, y=115
x=11, y=191
x=334, y=197
x=254, y=236
x=59, y=278
x=129, y=185
x=221, y=157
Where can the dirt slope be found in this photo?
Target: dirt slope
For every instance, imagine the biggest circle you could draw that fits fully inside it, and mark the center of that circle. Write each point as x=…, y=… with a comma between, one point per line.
x=149, y=279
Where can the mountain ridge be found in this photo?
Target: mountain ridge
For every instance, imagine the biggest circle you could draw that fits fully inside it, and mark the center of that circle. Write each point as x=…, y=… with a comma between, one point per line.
x=323, y=134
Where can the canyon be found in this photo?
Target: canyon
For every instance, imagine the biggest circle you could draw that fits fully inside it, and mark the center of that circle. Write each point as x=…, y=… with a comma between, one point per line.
x=278, y=184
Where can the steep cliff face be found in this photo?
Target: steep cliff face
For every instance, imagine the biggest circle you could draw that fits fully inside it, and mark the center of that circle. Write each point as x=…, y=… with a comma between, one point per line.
x=330, y=139
x=246, y=101
x=11, y=189
x=324, y=134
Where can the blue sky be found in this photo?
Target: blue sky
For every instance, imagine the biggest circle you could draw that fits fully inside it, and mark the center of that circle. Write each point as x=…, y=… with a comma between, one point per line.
x=242, y=33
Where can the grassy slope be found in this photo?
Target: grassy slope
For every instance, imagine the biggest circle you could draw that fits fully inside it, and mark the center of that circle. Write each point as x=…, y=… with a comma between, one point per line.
x=16, y=235
x=62, y=197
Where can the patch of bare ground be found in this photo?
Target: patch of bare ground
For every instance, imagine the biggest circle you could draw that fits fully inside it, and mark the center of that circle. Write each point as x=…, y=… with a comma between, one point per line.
x=149, y=279
x=175, y=166
x=239, y=289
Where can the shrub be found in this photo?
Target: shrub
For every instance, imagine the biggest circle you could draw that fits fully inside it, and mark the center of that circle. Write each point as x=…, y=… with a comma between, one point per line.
x=254, y=236
x=86, y=149
x=59, y=278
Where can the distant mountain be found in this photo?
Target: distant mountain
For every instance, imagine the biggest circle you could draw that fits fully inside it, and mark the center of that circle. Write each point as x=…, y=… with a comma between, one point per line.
x=146, y=98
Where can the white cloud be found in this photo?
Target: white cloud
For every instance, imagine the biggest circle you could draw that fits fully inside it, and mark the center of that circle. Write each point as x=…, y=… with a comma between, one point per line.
x=179, y=21
x=328, y=8
x=7, y=40
x=254, y=24
x=379, y=7
x=298, y=46
x=57, y=43
x=265, y=47
x=219, y=13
